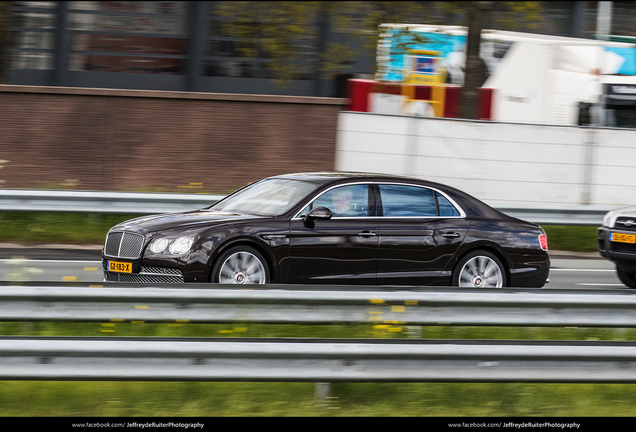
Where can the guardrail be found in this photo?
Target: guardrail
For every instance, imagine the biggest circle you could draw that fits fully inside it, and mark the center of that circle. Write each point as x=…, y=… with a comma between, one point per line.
x=101, y=202
x=280, y=304
x=316, y=360
x=149, y=203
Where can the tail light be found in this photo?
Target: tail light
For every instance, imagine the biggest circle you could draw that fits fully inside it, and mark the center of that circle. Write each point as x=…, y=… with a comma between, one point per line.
x=543, y=241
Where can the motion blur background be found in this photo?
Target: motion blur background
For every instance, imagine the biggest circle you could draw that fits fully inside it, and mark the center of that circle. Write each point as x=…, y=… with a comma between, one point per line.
x=173, y=96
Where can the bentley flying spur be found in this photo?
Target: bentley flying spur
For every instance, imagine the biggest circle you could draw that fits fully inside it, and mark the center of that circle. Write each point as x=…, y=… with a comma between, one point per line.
x=333, y=228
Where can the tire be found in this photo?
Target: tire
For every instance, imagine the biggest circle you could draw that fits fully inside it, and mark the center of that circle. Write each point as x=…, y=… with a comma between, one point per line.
x=479, y=269
x=240, y=265
x=628, y=279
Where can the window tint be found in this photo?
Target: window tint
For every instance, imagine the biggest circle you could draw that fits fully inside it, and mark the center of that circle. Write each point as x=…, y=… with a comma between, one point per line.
x=345, y=201
x=399, y=200
x=445, y=207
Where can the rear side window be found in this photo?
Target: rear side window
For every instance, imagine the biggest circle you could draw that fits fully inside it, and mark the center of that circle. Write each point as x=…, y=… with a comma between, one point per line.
x=445, y=207
x=411, y=201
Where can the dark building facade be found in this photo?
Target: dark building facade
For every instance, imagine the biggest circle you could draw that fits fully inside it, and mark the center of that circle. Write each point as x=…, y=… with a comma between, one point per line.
x=179, y=46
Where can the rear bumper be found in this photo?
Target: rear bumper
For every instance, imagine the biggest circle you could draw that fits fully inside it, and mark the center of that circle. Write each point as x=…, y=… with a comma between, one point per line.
x=533, y=275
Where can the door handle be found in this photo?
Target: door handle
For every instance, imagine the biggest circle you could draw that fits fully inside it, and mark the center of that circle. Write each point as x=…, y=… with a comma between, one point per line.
x=450, y=235
x=366, y=234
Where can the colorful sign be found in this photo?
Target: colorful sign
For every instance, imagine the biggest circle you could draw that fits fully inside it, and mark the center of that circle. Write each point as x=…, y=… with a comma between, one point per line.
x=396, y=41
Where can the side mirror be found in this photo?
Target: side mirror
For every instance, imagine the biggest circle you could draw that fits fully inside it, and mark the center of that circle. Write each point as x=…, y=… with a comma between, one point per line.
x=322, y=213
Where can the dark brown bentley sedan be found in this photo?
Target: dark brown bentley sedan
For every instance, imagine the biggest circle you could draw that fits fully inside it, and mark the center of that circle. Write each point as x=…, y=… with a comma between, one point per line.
x=333, y=228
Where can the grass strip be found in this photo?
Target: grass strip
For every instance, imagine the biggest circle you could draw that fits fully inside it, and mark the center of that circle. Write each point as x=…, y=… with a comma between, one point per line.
x=89, y=228
x=241, y=399
x=230, y=399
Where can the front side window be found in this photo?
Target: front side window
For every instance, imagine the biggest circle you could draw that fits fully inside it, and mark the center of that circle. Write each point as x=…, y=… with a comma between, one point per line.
x=412, y=201
x=344, y=201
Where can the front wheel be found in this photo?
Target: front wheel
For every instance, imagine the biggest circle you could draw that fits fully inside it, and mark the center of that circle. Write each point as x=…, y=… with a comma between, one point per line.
x=241, y=265
x=479, y=269
x=628, y=279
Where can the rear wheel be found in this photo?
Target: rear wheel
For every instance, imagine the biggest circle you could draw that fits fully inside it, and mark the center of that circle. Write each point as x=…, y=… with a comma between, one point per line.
x=479, y=269
x=241, y=265
x=628, y=279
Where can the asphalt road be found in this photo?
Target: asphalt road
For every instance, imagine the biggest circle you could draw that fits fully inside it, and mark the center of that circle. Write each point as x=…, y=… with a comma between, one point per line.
x=63, y=264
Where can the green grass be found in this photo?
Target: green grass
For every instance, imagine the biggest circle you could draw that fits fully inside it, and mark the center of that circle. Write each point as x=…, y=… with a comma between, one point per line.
x=78, y=228
x=203, y=399
x=199, y=399
x=71, y=228
x=310, y=331
x=571, y=238
x=194, y=399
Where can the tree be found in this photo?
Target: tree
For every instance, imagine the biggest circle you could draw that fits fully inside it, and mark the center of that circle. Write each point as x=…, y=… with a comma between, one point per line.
x=478, y=16
x=273, y=30
x=511, y=15
x=278, y=30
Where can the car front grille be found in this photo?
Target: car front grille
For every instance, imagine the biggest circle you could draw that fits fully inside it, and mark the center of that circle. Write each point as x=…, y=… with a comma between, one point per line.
x=149, y=275
x=623, y=247
x=124, y=244
x=625, y=223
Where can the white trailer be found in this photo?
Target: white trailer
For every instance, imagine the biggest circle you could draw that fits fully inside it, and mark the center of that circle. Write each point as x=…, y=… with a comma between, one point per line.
x=535, y=78
x=554, y=80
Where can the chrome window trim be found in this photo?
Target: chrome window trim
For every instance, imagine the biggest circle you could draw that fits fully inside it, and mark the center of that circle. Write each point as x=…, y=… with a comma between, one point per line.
x=462, y=213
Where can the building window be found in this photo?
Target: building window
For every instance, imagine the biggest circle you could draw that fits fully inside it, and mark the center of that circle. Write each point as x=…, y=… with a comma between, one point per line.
x=33, y=35
x=128, y=36
x=229, y=56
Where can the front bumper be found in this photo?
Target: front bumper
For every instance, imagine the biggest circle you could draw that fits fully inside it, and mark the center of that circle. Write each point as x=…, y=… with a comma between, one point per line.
x=141, y=273
x=622, y=254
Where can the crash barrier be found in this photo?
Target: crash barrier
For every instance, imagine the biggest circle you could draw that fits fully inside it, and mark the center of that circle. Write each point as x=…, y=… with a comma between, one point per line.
x=286, y=304
x=151, y=203
x=316, y=360
x=101, y=202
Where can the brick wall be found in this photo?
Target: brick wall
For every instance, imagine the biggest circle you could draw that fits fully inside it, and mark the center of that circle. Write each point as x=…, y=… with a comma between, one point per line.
x=128, y=140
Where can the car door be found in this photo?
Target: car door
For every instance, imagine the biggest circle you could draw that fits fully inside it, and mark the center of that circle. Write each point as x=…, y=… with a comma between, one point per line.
x=419, y=231
x=342, y=249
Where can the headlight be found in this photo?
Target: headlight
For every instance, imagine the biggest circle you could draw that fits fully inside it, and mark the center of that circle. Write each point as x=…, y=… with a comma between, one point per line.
x=159, y=245
x=610, y=217
x=181, y=245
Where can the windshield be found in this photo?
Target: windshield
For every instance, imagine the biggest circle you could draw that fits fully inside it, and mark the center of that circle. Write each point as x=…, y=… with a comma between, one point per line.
x=269, y=197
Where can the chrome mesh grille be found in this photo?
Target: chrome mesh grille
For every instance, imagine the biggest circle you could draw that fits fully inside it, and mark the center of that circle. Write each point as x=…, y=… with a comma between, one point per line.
x=161, y=270
x=142, y=278
x=124, y=244
x=150, y=275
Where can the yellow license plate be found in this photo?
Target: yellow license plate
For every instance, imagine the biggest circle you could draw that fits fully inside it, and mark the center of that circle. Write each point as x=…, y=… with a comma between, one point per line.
x=121, y=267
x=623, y=238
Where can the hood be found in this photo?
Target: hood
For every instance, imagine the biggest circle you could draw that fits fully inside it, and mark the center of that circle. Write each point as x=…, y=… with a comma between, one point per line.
x=185, y=220
x=610, y=218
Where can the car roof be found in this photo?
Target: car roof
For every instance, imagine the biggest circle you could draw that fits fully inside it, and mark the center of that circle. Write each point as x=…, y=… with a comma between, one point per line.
x=472, y=206
x=328, y=177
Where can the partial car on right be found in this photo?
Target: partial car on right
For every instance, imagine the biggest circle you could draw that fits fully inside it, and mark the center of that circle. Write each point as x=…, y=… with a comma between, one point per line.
x=617, y=242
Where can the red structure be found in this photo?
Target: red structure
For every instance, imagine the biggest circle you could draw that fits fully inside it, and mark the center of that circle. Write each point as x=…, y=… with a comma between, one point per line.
x=359, y=92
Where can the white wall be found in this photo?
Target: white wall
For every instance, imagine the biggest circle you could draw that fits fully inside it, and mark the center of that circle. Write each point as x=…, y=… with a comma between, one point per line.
x=495, y=162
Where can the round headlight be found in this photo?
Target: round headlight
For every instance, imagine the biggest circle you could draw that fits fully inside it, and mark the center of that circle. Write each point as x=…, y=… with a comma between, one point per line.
x=159, y=245
x=181, y=245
